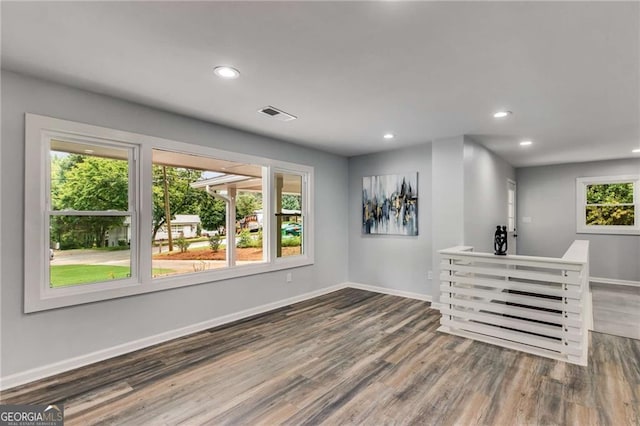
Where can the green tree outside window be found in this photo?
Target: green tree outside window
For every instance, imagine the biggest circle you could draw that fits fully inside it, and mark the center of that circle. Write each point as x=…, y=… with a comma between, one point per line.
x=610, y=204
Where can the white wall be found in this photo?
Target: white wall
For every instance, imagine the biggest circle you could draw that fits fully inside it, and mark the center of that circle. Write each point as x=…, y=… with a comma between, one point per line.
x=391, y=261
x=485, y=195
x=547, y=194
x=38, y=339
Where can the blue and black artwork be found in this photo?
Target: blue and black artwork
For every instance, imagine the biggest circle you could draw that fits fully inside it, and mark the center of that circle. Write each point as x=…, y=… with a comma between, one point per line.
x=390, y=204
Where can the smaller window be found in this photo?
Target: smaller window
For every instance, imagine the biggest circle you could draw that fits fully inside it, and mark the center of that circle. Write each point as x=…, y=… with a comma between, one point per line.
x=289, y=214
x=608, y=205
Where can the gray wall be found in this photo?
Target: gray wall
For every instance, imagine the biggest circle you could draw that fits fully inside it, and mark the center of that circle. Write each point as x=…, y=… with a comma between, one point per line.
x=38, y=339
x=485, y=195
x=547, y=195
x=462, y=196
x=391, y=261
x=447, y=200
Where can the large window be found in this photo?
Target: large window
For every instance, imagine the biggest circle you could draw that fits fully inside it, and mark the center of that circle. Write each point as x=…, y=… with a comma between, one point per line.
x=608, y=205
x=111, y=213
x=214, y=209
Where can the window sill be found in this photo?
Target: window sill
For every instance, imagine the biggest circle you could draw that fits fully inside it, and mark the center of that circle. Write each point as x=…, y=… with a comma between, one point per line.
x=608, y=230
x=85, y=294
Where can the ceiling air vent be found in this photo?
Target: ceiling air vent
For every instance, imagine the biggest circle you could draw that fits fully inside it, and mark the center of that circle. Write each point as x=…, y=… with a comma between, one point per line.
x=277, y=113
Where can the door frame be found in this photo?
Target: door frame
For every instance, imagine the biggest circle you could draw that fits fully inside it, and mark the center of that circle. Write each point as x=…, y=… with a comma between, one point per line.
x=512, y=233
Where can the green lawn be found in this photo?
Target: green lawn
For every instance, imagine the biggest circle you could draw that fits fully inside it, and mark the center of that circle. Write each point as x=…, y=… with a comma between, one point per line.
x=65, y=275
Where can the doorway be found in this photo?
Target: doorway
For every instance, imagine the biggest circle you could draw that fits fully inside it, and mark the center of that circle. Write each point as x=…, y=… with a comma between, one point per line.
x=511, y=217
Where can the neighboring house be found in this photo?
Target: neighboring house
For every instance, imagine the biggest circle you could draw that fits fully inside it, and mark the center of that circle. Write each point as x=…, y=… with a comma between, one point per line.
x=184, y=225
x=120, y=235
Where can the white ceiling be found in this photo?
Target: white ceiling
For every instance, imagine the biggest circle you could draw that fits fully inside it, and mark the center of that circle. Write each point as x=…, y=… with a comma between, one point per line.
x=352, y=71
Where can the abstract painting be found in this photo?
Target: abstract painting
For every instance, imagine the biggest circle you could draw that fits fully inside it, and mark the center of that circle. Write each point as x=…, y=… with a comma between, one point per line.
x=390, y=204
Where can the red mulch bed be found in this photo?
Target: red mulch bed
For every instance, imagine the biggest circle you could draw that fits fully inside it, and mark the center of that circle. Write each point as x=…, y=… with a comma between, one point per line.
x=207, y=254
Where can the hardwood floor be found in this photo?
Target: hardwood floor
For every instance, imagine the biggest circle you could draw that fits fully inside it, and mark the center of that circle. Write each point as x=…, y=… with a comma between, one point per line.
x=349, y=357
x=616, y=310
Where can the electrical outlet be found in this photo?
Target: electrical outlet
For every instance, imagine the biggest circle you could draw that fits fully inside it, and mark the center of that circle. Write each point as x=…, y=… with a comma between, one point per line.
x=430, y=275
x=289, y=277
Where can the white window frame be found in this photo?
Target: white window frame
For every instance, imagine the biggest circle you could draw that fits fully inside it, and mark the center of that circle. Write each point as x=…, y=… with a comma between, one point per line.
x=37, y=294
x=307, y=219
x=581, y=204
x=133, y=207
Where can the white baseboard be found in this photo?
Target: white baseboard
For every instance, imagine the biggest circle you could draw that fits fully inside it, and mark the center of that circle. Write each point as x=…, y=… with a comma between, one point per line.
x=613, y=281
x=437, y=305
x=27, y=376
x=390, y=291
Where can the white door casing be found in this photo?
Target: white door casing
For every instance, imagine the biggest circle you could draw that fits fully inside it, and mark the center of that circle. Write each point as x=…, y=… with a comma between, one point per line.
x=511, y=217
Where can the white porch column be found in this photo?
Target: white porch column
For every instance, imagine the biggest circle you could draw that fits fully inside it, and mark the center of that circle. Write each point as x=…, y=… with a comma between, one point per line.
x=231, y=226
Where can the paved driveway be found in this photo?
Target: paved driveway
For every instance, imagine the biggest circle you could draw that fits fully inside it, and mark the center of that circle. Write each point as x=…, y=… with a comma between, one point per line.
x=91, y=257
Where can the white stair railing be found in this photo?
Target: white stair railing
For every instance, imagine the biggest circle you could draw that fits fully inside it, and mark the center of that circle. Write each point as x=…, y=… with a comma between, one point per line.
x=539, y=305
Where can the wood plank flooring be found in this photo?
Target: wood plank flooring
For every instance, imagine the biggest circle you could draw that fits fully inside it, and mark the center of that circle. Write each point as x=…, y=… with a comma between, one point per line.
x=616, y=309
x=349, y=357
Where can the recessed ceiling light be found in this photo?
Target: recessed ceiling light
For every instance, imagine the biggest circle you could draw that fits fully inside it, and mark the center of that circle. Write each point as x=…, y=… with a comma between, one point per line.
x=526, y=143
x=636, y=151
x=502, y=114
x=389, y=136
x=226, y=72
